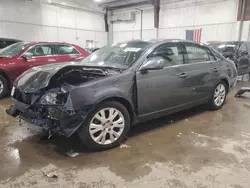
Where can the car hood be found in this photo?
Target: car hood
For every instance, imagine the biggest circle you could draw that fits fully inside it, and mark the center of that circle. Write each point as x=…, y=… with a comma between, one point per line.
x=71, y=73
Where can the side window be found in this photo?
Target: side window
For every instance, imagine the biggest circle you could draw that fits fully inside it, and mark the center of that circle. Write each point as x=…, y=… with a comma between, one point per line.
x=243, y=48
x=196, y=54
x=171, y=52
x=66, y=50
x=41, y=50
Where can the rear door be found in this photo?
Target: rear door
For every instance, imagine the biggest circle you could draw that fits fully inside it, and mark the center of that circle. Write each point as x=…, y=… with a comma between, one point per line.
x=243, y=59
x=42, y=54
x=202, y=71
x=65, y=53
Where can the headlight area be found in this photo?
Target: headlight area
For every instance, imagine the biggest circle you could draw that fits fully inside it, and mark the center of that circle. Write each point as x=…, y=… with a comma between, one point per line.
x=57, y=108
x=53, y=103
x=53, y=98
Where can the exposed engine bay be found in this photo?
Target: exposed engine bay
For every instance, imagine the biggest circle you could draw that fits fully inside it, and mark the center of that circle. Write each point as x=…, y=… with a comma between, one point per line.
x=50, y=106
x=76, y=76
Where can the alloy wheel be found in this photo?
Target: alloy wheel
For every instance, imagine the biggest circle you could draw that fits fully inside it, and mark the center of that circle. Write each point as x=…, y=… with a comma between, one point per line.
x=219, y=95
x=106, y=126
x=1, y=86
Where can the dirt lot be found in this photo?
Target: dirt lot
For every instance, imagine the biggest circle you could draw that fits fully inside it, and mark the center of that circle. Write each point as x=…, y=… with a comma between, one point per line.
x=195, y=148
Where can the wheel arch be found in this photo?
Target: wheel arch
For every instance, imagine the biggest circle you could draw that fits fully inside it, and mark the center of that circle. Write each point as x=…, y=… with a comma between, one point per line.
x=2, y=72
x=226, y=81
x=125, y=103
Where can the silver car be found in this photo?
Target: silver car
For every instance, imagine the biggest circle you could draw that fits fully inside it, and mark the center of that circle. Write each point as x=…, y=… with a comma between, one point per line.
x=121, y=85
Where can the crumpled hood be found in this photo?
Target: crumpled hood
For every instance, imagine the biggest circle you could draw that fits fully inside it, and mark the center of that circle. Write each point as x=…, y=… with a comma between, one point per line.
x=39, y=77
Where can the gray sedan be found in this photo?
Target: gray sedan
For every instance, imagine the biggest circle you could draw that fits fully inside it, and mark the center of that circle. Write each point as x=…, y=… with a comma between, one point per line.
x=121, y=85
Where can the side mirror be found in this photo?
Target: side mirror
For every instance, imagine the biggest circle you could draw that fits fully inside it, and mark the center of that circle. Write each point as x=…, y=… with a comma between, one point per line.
x=27, y=55
x=154, y=63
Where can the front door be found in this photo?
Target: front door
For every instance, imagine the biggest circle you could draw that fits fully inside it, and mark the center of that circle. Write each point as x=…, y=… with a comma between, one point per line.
x=42, y=54
x=161, y=90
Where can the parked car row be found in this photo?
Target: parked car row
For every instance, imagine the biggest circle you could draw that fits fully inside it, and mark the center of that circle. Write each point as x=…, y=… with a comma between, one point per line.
x=114, y=88
x=237, y=51
x=21, y=56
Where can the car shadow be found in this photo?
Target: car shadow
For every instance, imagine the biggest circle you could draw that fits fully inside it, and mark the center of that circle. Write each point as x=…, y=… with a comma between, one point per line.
x=165, y=120
x=62, y=145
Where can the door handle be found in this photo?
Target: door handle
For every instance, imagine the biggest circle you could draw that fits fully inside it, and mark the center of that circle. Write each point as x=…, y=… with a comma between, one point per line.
x=215, y=69
x=183, y=75
x=51, y=60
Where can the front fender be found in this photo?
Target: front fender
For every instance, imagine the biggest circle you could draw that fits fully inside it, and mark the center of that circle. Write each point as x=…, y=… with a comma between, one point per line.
x=109, y=93
x=90, y=95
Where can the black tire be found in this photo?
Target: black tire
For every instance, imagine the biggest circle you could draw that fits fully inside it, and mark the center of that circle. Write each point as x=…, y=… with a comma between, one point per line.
x=85, y=136
x=211, y=102
x=5, y=87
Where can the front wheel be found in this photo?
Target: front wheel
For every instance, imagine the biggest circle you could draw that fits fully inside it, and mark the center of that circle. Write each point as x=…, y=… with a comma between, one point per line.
x=219, y=96
x=4, y=88
x=105, y=127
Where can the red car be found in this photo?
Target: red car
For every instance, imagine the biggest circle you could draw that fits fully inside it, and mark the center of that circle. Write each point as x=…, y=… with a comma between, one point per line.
x=18, y=57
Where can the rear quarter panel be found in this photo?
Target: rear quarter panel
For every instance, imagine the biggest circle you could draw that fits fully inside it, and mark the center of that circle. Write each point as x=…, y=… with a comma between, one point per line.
x=227, y=72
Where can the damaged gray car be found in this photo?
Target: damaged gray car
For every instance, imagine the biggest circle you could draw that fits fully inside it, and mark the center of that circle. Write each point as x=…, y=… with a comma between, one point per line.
x=119, y=86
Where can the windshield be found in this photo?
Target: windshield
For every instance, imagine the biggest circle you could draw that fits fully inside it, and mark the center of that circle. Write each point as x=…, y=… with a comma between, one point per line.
x=229, y=47
x=121, y=55
x=13, y=50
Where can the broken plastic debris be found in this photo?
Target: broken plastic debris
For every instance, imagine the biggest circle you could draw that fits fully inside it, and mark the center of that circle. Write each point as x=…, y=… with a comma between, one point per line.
x=72, y=153
x=192, y=132
x=124, y=146
x=179, y=135
x=50, y=175
x=186, y=119
x=150, y=144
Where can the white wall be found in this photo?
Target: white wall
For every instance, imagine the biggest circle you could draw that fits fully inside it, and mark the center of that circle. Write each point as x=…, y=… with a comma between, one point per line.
x=131, y=30
x=36, y=21
x=217, y=18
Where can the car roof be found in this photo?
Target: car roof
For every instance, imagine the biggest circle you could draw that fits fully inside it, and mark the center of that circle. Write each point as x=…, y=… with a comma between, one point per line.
x=32, y=42
x=228, y=42
x=154, y=41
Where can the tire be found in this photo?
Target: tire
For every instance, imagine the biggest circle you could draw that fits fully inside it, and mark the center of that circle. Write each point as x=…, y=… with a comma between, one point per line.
x=105, y=127
x=4, y=88
x=215, y=104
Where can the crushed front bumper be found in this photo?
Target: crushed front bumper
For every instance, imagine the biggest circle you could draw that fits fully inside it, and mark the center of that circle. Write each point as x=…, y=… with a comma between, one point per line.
x=51, y=118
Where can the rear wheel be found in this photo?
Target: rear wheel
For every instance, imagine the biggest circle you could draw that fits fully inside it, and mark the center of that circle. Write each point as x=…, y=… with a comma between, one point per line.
x=219, y=96
x=105, y=127
x=4, y=89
